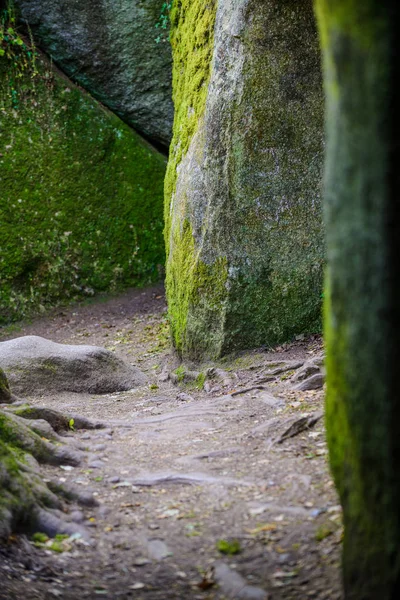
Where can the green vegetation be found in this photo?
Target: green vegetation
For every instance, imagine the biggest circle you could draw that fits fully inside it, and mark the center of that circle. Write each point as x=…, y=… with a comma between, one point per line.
x=323, y=532
x=56, y=544
x=180, y=373
x=229, y=547
x=163, y=22
x=81, y=193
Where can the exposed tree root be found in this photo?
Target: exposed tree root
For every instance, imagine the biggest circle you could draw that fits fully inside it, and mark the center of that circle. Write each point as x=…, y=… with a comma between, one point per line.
x=59, y=422
x=29, y=436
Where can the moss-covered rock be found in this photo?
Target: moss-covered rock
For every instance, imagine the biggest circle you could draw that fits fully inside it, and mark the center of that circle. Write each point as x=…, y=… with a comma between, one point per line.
x=5, y=394
x=28, y=437
x=243, y=218
x=81, y=193
x=111, y=49
x=360, y=44
x=29, y=502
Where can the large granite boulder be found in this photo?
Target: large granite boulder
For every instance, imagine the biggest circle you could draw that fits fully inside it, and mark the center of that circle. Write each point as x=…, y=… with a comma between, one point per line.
x=244, y=231
x=110, y=49
x=35, y=366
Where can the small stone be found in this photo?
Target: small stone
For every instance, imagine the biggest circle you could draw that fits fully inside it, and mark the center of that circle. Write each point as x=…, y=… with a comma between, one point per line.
x=141, y=561
x=114, y=479
x=184, y=397
x=235, y=585
x=315, y=382
x=96, y=464
x=158, y=549
x=99, y=447
x=137, y=586
x=77, y=516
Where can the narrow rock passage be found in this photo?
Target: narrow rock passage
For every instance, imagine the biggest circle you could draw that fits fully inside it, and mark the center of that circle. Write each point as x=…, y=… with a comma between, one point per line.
x=202, y=494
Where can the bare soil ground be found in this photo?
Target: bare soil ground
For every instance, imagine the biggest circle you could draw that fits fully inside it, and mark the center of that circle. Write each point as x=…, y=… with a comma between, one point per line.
x=197, y=497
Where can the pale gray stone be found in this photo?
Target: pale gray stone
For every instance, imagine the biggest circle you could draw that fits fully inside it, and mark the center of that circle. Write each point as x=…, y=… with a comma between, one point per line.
x=36, y=366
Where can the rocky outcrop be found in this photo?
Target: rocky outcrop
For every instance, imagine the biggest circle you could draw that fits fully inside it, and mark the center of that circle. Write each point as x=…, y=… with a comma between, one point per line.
x=110, y=49
x=81, y=193
x=243, y=218
x=34, y=366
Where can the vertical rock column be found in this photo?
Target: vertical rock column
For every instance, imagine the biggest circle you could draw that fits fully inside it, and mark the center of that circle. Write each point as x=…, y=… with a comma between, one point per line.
x=361, y=47
x=243, y=219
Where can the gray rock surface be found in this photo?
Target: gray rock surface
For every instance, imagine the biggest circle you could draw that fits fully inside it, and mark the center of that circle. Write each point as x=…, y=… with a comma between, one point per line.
x=314, y=366
x=158, y=549
x=35, y=366
x=244, y=218
x=315, y=382
x=235, y=586
x=110, y=49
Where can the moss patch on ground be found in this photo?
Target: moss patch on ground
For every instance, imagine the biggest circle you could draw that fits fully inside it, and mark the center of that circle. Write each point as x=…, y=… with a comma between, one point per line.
x=80, y=192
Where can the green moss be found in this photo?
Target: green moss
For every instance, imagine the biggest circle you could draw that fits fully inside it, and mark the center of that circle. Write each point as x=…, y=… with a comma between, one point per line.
x=323, y=532
x=5, y=394
x=189, y=281
x=364, y=24
x=192, y=27
x=39, y=537
x=192, y=40
x=81, y=194
x=16, y=497
x=200, y=381
x=229, y=547
x=361, y=328
x=180, y=373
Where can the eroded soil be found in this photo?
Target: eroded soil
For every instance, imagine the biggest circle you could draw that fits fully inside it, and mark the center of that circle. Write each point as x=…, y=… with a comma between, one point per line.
x=180, y=471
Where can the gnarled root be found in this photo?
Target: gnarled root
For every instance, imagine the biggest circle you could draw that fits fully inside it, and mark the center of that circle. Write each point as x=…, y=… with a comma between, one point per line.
x=27, y=501
x=60, y=422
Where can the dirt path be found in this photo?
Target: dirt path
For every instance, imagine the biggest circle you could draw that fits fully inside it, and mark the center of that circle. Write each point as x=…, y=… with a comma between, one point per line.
x=183, y=475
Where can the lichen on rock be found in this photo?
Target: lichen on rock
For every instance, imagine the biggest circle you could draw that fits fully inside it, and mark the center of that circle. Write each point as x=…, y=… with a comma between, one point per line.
x=243, y=217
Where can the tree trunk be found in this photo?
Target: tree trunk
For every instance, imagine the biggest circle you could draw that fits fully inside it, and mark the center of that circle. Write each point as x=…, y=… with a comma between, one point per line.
x=362, y=317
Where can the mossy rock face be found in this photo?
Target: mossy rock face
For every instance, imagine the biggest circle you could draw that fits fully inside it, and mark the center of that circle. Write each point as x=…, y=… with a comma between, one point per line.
x=243, y=209
x=110, y=49
x=81, y=193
